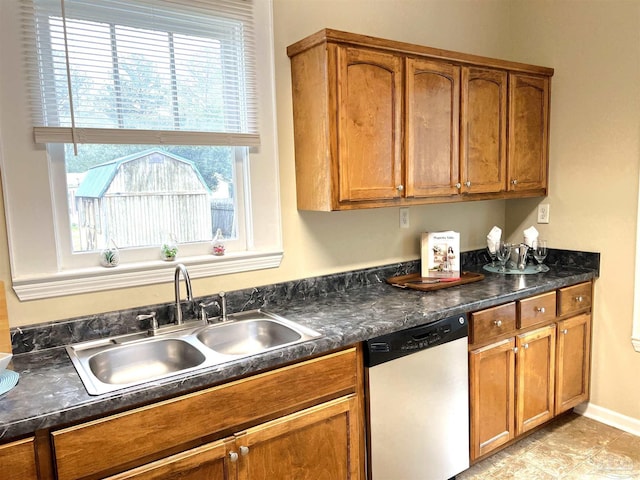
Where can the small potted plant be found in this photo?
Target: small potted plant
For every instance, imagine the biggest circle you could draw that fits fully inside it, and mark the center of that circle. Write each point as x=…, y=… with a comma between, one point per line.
x=110, y=256
x=169, y=248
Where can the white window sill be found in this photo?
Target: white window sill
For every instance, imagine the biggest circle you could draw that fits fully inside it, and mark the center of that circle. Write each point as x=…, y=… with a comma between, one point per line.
x=138, y=274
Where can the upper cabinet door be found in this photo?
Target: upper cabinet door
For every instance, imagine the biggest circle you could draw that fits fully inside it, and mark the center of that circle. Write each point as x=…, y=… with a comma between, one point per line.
x=369, y=90
x=483, y=124
x=432, y=128
x=528, y=132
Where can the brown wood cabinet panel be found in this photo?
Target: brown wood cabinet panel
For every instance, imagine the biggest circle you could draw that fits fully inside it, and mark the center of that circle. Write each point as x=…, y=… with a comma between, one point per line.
x=313, y=131
x=573, y=353
x=493, y=322
x=538, y=309
x=208, y=462
x=18, y=460
x=369, y=124
x=82, y=450
x=492, y=374
x=432, y=128
x=528, y=132
x=483, y=125
x=321, y=442
x=574, y=299
x=380, y=123
x=535, y=373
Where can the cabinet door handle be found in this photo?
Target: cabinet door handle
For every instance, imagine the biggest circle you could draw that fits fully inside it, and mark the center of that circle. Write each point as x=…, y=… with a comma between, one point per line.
x=579, y=299
x=565, y=331
x=244, y=450
x=540, y=309
x=233, y=456
x=515, y=349
x=514, y=182
x=400, y=188
x=525, y=346
x=458, y=185
x=497, y=323
x=467, y=183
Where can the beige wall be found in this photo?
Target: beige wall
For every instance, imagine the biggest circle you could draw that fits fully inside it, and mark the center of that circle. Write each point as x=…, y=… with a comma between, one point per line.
x=594, y=160
x=595, y=147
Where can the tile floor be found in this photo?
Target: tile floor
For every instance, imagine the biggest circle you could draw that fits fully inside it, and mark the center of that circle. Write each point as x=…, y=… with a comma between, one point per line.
x=571, y=448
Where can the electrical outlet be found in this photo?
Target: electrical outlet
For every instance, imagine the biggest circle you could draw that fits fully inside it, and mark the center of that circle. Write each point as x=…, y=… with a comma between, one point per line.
x=543, y=213
x=404, y=217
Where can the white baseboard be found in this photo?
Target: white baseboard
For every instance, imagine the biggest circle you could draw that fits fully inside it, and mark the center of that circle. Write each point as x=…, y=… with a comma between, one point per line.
x=609, y=417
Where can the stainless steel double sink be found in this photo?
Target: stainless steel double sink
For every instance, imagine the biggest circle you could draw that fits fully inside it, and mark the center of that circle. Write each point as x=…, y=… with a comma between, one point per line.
x=118, y=362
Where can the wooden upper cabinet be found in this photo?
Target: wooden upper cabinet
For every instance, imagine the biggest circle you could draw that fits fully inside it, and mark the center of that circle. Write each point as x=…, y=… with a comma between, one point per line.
x=369, y=124
x=432, y=132
x=483, y=126
x=384, y=123
x=528, y=132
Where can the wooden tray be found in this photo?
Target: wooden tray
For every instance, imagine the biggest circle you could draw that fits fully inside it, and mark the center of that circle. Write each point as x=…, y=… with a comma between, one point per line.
x=416, y=282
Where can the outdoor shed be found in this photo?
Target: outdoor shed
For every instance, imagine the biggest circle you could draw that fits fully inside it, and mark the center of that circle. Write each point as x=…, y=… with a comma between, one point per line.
x=138, y=199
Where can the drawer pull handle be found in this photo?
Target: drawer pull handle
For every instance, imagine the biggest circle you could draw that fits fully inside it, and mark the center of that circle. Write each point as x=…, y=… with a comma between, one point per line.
x=579, y=299
x=565, y=331
x=244, y=450
x=540, y=309
x=233, y=456
x=498, y=323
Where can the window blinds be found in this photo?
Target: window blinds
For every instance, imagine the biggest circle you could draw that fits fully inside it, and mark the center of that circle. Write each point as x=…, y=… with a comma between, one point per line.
x=179, y=72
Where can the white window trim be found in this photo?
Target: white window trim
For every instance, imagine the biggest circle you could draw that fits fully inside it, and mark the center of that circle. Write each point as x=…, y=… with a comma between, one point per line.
x=29, y=209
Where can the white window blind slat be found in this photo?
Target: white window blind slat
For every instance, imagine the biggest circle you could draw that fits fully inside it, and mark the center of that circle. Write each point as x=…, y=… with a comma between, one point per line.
x=186, y=66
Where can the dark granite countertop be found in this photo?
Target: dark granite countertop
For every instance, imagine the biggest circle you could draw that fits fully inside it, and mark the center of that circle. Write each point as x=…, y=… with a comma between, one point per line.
x=51, y=394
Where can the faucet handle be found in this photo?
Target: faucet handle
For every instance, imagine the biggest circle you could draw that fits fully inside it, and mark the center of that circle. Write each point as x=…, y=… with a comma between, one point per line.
x=154, y=320
x=203, y=311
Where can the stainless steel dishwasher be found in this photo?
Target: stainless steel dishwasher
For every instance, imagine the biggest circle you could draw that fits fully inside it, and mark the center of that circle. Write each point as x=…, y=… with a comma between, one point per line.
x=418, y=402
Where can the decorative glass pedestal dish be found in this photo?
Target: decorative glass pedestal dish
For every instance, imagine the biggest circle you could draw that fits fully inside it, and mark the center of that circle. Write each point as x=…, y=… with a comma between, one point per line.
x=529, y=269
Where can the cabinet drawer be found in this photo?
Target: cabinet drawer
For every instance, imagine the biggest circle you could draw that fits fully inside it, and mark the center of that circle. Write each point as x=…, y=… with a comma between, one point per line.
x=574, y=299
x=535, y=310
x=124, y=440
x=493, y=322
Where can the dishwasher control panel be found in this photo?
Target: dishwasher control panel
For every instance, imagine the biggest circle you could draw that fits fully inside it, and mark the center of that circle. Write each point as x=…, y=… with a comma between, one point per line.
x=395, y=345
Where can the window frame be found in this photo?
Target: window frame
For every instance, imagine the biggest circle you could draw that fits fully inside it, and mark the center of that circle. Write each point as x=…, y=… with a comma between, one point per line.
x=32, y=210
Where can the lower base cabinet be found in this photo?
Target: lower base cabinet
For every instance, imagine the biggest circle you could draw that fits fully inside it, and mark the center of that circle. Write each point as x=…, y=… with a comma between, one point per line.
x=512, y=388
x=18, y=460
x=317, y=443
x=522, y=381
x=573, y=352
x=298, y=422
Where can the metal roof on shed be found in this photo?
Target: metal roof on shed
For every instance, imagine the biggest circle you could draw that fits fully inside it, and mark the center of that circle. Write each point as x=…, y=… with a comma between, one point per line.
x=97, y=180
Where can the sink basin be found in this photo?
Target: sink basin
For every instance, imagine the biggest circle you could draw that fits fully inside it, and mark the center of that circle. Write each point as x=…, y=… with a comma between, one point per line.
x=144, y=361
x=247, y=337
x=114, y=363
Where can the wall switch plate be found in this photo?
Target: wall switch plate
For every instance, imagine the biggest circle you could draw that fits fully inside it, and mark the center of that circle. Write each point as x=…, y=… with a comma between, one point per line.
x=404, y=217
x=543, y=213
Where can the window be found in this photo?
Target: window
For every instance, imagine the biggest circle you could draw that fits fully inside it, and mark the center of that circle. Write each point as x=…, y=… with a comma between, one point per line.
x=155, y=125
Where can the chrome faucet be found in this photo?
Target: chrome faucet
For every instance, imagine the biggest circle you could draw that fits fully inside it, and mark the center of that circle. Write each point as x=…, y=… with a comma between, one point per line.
x=187, y=281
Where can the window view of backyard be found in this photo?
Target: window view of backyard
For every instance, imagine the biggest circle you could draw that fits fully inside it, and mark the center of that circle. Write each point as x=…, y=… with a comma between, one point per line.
x=125, y=78
x=137, y=196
